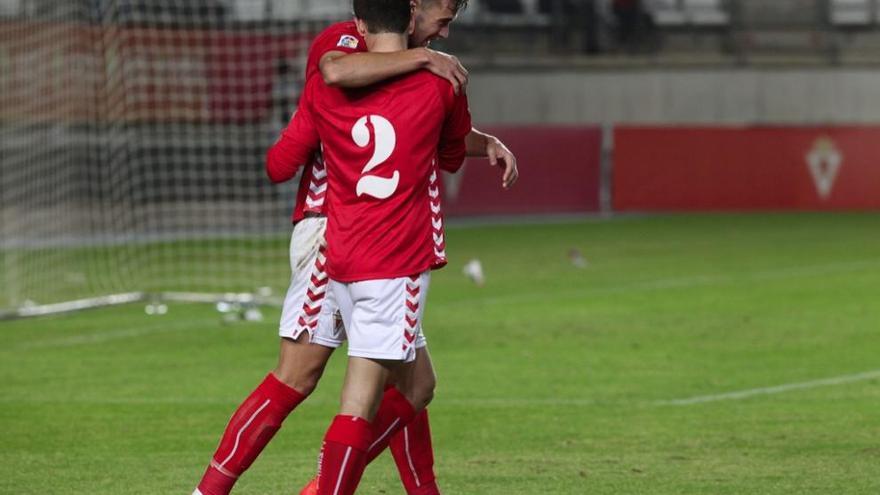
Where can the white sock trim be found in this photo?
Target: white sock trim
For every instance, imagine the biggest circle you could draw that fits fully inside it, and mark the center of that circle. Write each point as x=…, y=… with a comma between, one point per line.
x=382, y=437
x=342, y=471
x=240, y=431
x=409, y=457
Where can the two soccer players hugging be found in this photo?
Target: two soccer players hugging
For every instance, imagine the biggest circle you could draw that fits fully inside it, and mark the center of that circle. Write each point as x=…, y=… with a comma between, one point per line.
x=381, y=115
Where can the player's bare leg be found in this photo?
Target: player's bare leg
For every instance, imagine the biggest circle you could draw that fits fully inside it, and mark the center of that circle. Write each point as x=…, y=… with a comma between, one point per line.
x=409, y=390
x=344, y=451
x=402, y=423
x=301, y=363
x=364, y=382
x=258, y=418
x=417, y=380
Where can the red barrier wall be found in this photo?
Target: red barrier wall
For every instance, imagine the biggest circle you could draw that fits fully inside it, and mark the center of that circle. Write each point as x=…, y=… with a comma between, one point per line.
x=776, y=168
x=559, y=173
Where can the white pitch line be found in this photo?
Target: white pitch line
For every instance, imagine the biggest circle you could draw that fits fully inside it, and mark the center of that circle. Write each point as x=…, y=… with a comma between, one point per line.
x=744, y=394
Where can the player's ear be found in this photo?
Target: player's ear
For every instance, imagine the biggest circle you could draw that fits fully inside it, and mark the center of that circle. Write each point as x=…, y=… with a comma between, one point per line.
x=361, y=26
x=412, y=26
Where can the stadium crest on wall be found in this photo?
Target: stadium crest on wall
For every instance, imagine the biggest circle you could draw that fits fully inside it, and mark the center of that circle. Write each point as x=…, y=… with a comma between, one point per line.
x=824, y=161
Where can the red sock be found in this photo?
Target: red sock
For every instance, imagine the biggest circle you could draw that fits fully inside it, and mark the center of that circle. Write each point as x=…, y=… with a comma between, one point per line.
x=414, y=456
x=394, y=413
x=343, y=455
x=255, y=422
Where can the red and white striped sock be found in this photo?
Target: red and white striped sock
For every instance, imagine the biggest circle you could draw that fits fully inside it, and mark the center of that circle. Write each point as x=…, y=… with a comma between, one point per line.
x=394, y=413
x=343, y=455
x=252, y=426
x=414, y=455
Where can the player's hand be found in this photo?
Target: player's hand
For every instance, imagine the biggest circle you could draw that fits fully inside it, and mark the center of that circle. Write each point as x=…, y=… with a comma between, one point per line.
x=448, y=67
x=500, y=156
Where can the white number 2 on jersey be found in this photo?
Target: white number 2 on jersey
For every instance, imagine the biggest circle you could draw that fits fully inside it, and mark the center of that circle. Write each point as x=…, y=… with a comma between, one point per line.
x=386, y=140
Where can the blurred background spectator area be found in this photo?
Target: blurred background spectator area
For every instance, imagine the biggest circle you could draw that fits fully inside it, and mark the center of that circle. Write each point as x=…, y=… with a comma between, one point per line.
x=542, y=32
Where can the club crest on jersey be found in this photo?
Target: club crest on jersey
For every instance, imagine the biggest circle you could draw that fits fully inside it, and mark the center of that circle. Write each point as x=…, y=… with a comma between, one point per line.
x=348, y=41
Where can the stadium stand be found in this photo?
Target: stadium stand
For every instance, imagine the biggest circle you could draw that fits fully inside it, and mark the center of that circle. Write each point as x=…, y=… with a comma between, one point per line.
x=10, y=8
x=504, y=6
x=506, y=13
x=289, y=10
x=542, y=32
x=191, y=12
x=676, y=13
x=667, y=13
x=170, y=13
x=853, y=13
x=706, y=12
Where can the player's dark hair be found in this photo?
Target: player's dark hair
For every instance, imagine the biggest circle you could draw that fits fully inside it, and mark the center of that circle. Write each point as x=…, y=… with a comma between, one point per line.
x=383, y=16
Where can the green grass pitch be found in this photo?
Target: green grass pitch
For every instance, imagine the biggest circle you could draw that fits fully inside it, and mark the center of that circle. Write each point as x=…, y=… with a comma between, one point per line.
x=553, y=379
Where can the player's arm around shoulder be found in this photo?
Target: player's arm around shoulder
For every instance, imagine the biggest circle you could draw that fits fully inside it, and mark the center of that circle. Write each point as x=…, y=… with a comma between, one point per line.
x=295, y=147
x=340, y=54
x=356, y=70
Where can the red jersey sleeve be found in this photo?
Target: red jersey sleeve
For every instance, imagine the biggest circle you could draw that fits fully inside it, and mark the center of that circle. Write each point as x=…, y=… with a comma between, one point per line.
x=452, y=149
x=295, y=147
x=340, y=37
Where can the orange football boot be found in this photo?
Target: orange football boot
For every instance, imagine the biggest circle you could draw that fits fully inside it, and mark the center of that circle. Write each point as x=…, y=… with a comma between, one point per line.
x=311, y=488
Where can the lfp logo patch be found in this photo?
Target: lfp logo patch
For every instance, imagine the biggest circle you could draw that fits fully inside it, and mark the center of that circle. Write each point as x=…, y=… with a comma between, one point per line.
x=348, y=41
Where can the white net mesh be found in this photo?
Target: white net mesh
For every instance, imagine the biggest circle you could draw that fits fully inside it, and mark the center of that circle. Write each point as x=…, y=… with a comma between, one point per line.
x=132, y=137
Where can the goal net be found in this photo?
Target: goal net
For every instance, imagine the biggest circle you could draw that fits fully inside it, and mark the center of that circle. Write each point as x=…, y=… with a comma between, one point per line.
x=132, y=140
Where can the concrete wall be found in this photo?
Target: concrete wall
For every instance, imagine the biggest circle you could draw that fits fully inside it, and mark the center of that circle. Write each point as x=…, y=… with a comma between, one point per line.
x=726, y=96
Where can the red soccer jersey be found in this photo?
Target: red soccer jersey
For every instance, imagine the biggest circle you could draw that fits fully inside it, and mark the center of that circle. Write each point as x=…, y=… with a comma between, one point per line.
x=341, y=37
x=380, y=147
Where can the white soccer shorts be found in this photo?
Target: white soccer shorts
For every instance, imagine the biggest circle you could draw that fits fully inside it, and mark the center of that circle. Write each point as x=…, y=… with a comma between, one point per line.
x=309, y=305
x=383, y=317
